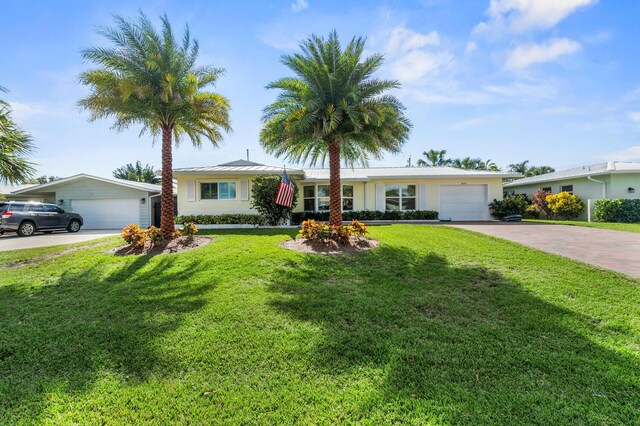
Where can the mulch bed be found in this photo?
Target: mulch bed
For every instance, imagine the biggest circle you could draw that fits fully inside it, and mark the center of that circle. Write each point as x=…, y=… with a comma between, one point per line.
x=355, y=245
x=175, y=245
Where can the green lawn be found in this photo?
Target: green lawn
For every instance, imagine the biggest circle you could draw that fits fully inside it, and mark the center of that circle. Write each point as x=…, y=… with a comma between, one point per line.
x=436, y=326
x=629, y=227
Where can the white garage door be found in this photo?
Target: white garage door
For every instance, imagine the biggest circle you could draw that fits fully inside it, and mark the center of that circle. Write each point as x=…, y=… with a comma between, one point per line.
x=108, y=214
x=464, y=202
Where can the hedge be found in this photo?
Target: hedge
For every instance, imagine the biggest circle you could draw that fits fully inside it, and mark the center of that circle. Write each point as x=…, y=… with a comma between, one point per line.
x=221, y=219
x=364, y=215
x=617, y=210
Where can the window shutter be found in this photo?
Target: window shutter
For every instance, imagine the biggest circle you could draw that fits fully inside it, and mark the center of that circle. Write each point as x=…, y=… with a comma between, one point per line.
x=244, y=190
x=380, y=201
x=422, y=197
x=191, y=190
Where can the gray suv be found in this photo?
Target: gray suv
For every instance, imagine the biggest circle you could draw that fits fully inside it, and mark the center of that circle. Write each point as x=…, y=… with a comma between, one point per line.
x=27, y=218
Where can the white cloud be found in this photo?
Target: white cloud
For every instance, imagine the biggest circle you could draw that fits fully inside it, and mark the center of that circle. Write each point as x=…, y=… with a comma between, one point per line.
x=472, y=46
x=404, y=39
x=634, y=116
x=410, y=55
x=631, y=153
x=415, y=65
x=601, y=36
x=529, y=54
x=299, y=5
x=518, y=16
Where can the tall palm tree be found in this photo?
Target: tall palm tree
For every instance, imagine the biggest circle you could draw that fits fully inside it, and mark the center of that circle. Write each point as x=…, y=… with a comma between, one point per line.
x=519, y=167
x=333, y=107
x=150, y=79
x=434, y=158
x=15, y=145
x=489, y=165
x=137, y=173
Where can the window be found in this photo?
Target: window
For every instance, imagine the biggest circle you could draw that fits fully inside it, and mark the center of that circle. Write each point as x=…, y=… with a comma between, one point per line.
x=218, y=191
x=35, y=207
x=566, y=188
x=546, y=189
x=400, y=197
x=316, y=197
x=50, y=208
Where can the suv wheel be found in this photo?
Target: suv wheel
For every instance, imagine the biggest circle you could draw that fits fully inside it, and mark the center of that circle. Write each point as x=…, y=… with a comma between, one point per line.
x=74, y=226
x=26, y=229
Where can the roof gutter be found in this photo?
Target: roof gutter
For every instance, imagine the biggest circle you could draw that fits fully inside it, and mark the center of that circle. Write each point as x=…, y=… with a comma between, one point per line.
x=604, y=185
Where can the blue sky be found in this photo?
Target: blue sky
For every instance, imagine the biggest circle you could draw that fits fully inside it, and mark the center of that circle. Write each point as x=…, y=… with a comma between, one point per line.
x=551, y=81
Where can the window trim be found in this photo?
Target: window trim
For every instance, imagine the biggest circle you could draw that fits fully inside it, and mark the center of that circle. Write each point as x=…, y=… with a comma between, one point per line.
x=217, y=182
x=400, y=196
x=316, y=199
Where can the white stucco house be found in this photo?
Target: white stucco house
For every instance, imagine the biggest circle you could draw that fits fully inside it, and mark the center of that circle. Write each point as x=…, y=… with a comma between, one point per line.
x=613, y=179
x=456, y=194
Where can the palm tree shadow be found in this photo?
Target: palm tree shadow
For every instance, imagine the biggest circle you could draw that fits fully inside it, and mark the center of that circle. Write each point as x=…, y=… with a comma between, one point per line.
x=89, y=322
x=461, y=344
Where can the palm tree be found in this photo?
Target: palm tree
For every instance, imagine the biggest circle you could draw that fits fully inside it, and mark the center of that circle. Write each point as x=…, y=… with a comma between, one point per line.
x=333, y=107
x=539, y=170
x=519, y=167
x=434, y=158
x=15, y=145
x=467, y=163
x=148, y=78
x=489, y=165
x=137, y=173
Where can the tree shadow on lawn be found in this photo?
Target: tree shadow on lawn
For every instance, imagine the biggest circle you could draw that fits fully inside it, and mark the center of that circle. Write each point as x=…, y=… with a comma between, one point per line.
x=63, y=336
x=459, y=344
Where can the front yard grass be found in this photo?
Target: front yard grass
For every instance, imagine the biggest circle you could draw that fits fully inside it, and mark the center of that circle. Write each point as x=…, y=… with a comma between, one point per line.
x=629, y=227
x=436, y=326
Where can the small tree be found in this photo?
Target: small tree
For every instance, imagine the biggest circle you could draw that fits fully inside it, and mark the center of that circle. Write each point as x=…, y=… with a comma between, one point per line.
x=564, y=205
x=137, y=173
x=263, y=195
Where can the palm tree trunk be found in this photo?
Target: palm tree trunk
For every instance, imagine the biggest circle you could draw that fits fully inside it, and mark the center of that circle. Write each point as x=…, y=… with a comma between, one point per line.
x=167, y=226
x=335, y=188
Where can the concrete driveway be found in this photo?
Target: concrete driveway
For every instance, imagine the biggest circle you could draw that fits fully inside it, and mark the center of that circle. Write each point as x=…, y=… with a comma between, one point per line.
x=11, y=241
x=616, y=250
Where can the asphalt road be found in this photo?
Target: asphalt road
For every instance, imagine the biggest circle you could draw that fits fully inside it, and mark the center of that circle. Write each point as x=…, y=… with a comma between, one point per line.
x=11, y=241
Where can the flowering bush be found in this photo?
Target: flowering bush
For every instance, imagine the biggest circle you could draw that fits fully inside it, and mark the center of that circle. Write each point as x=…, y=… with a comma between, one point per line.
x=154, y=235
x=189, y=229
x=565, y=205
x=319, y=231
x=539, y=203
x=133, y=235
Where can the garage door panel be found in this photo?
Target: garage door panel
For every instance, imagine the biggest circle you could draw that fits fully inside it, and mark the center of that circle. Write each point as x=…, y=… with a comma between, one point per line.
x=108, y=213
x=463, y=202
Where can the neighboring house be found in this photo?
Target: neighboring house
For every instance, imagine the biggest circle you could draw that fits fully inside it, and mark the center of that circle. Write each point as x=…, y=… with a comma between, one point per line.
x=614, y=179
x=6, y=191
x=456, y=194
x=103, y=203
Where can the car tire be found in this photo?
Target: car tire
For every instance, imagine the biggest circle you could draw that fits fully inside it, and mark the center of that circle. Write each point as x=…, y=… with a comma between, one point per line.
x=26, y=229
x=74, y=226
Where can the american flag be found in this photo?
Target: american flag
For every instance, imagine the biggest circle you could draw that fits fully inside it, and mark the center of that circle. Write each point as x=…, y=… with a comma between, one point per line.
x=284, y=196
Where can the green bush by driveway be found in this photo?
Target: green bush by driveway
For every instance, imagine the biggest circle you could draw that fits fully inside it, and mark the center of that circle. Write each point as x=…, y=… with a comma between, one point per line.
x=437, y=325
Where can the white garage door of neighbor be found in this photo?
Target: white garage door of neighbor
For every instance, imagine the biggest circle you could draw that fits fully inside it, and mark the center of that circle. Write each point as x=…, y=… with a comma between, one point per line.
x=464, y=202
x=108, y=214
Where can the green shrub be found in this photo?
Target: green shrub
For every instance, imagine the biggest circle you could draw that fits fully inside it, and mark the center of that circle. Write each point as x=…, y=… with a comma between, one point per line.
x=299, y=217
x=221, y=219
x=509, y=205
x=617, y=210
x=263, y=195
x=564, y=205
